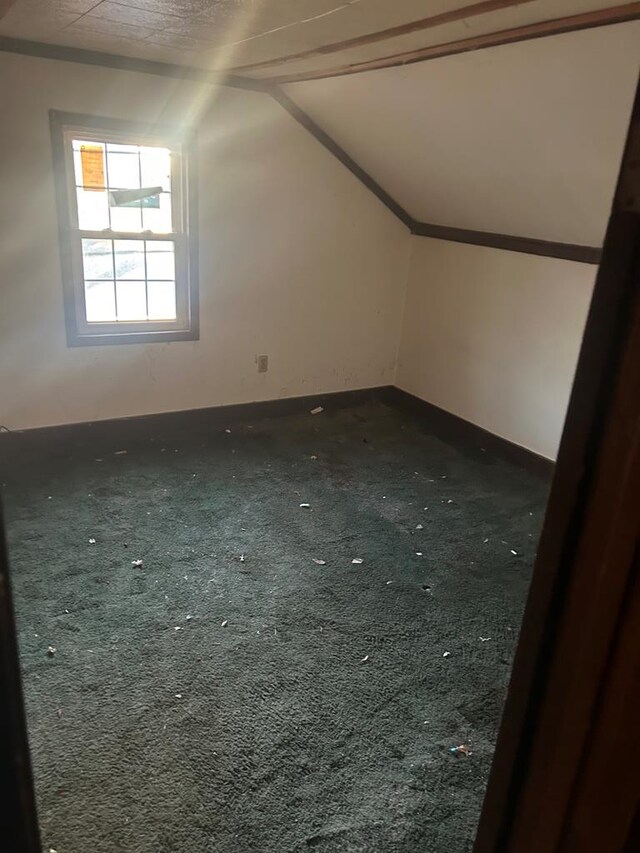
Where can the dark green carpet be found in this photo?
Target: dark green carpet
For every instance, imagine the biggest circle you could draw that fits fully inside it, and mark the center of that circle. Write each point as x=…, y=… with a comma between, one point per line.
x=322, y=715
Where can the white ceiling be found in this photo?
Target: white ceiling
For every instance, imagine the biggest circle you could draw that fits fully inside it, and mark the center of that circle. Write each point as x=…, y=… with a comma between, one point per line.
x=517, y=14
x=522, y=139
x=229, y=33
x=205, y=32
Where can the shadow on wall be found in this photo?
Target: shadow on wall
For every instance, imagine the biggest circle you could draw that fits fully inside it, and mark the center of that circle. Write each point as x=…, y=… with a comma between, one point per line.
x=297, y=260
x=494, y=336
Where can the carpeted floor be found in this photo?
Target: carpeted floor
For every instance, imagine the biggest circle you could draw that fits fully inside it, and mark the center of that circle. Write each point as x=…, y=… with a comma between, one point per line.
x=235, y=693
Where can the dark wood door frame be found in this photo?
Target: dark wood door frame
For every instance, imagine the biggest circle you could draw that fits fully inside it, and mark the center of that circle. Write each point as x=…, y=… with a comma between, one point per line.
x=578, y=657
x=584, y=570
x=19, y=830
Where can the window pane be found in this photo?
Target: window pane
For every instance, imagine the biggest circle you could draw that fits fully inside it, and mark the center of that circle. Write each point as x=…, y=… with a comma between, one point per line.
x=77, y=168
x=123, y=170
x=93, y=210
x=158, y=219
x=97, y=259
x=160, y=260
x=162, y=300
x=129, y=255
x=100, y=301
x=156, y=167
x=126, y=218
x=127, y=189
x=132, y=300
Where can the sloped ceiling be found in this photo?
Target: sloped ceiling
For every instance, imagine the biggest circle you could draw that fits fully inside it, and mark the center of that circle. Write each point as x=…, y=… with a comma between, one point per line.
x=522, y=139
x=243, y=33
x=207, y=32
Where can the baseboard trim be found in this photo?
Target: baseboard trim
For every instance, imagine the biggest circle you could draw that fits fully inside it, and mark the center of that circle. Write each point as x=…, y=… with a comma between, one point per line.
x=452, y=427
x=226, y=414
x=448, y=427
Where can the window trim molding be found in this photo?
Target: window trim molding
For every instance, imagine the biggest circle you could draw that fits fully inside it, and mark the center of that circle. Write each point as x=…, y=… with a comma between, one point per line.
x=74, y=323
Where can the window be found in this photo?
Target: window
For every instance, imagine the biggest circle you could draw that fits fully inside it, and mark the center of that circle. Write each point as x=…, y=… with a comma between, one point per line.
x=126, y=209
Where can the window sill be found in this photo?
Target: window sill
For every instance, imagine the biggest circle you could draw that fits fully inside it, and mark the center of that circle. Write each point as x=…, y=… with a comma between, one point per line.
x=95, y=339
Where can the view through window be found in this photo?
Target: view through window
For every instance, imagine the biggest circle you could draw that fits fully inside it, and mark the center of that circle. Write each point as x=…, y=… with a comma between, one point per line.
x=128, y=259
x=125, y=189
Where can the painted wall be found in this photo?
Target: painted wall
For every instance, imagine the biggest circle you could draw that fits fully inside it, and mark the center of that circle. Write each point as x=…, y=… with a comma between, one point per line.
x=297, y=259
x=494, y=336
x=521, y=139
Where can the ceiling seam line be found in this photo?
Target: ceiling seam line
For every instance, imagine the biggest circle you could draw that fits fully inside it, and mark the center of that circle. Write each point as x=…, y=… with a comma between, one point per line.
x=624, y=14
x=432, y=22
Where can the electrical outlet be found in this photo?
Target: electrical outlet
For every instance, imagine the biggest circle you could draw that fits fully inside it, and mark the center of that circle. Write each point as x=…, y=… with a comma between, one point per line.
x=263, y=363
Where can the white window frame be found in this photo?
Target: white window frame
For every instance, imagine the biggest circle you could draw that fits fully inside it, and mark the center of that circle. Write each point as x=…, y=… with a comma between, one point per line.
x=65, y=127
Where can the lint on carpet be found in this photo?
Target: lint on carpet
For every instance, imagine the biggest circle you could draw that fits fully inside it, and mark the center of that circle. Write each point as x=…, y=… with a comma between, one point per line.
x=326, y=607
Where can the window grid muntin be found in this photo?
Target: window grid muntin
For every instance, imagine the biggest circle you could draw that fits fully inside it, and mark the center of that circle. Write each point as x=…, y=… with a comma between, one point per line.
x=177, y=236
x=114, y=279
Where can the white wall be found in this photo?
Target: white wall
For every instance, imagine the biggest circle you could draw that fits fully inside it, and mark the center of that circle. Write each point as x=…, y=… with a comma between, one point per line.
x=521, y=139
x=297, y=259
x=494, y=336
